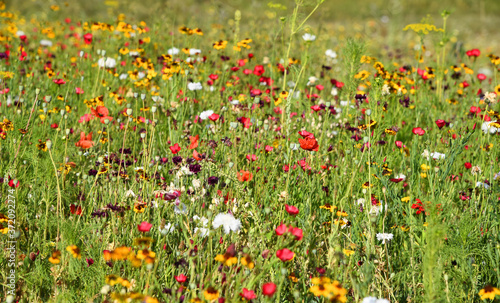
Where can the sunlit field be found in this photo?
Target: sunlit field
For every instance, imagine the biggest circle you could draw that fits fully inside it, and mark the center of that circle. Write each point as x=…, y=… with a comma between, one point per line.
x=212, y=151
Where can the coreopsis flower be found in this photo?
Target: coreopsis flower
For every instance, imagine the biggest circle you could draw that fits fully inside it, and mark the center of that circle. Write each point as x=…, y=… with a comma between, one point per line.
x=55, y=258
x=228, y=221
x=247, y=261
x=75, y=251
x=221, y=44
x=211, y=294
x=384, y=237
x=489, y=292
x=228, y=258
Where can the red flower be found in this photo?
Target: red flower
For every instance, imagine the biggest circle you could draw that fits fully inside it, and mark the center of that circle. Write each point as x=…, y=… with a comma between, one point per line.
x=306, y=134
x=246, y=122
x=481, y=77
x=309, y=144
x=59, y=81
x=79, y=91
x=248, y=294
x=475, y=110
x=144, y=226
x=214, y=117
x=280, y=230
x=320, y=87
x=316, y=108
x=194, y=141
x=258, y=70
x=473, y=53
x=297, y=232
x=468, y=165
x=440, y=123
x=244, y=176
x=75, y=210
x=396, y=180
x=175, y=148
x=14, y=183
x=268, y=148
x=87, y=38
x=180, y=278
x=252, y=158
x=418, y=131
x=292, y=210
x=268, y=289
x=85, y=141
x=54, y=125
x=285, y=254
x=399, y=144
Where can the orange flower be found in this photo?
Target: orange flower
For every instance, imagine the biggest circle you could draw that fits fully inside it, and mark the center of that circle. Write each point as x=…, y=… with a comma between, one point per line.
x=244, y=176
x=85, y=141
x=102, y=113
x=194, y=141
x=309, y=144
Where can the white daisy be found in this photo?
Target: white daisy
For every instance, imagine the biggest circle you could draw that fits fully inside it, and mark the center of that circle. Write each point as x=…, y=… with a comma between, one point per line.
x=228, y=221
x=308, y=37
x=205, y=114
x=194, y=86
x=384, y=237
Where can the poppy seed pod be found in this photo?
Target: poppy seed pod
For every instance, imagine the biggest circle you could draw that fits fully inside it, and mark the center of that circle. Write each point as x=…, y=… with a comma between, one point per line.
x=129, y=111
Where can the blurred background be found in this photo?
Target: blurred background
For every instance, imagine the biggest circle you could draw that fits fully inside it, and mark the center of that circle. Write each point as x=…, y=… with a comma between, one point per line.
x=476, y=22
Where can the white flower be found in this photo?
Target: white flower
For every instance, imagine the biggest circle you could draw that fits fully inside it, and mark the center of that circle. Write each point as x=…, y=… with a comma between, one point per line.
x=205, y=114
x=426, y=154
x=331, y=54
x=203, y=231
x=106, y=62
x=437, y=156
x=490, y=97
x=180, y=208
x=386, y=90
x=123, y=76
x=344, y=103
x=308, y=37
x=129, y=193
x=488, y=127
x=196, y=183
x=475, y=170
x=203, y=220
x=312, y=80
x=173, y=51
x=228, y=221
x=141, y=75
x=194, y=86
x=234, y=102
x=45, y=42
x=20, y=33
x=481, y=184
x=374, y=300
x=400, y=176
x=168, y=228
x=194, y=51
x=384, y=237
x=334, y=91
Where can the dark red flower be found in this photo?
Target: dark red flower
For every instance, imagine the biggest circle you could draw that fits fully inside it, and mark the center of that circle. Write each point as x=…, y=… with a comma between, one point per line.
x=468, y=165
x=87, y=38
x=440, y=123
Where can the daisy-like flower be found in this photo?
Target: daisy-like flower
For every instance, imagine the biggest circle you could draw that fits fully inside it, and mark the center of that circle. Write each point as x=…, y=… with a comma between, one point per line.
x=490, y=97
x=386, y=90
x=45, y=42
x=489, y=292
x=374, y=300
x=488, y=127
x=308, y=37
x=107, y=62
x=173, y=51
x=437, y=156
x=384, y=237
x=228, y=221
x=331, y=54
x=205, y=114
x=194, y=86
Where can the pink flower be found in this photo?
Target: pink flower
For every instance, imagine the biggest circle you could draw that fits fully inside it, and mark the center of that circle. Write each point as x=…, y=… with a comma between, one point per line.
x=292, y=210
x=86, y=118
x=248, y=294
x=280, y=230
x=79, y=91
x=144, y=226
x=399, y=144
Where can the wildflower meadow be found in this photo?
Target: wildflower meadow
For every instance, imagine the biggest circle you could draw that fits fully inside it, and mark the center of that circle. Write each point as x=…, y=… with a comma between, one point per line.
x=234, y=151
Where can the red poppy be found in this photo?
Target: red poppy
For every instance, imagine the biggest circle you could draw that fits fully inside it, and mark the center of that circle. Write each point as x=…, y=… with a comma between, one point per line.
x=285, y=254
x=481, y=77
x=85, y=141
x=468, y=165
x=320, y=87
x=473, y=53
x=75, y=210
x=268, y=148
x=246, y=122
x=280, y=230
x=194, y=141
x=475, y=110
x=54, y=125
x=59, y=81
x=258, y=70
x=14, y=183
x=309, y=144
x=292, y=210
x=268, y=289
x=102, y=113
x=440, y=123
x=399, y=144
x=418, y=131
x=297, y=232
x=87, y=38
x=180, y=278
x=79, y=91
x=175, y=148
x=214, y=117
x=251, y=158
x=144, y=226
x=244, y=176
x=248, y=294
x=196, y=155
x=316, y=108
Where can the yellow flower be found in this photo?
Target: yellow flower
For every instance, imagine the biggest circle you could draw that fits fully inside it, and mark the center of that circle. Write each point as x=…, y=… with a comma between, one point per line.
x=489, y=292
x=405, y=199
x=75, y=251
x=56, y=257
x=348, y=252
x=247, y=261
x=211, y=294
